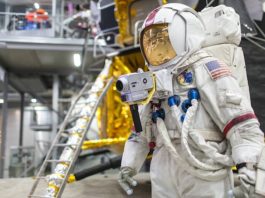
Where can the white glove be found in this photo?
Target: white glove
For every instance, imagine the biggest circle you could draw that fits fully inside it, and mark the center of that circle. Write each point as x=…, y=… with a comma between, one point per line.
x=126, y=180
x=247, y=143
x=247, y=179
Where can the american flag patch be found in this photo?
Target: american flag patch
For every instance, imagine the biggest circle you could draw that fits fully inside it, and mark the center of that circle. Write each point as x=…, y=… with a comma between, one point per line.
x=218, y=69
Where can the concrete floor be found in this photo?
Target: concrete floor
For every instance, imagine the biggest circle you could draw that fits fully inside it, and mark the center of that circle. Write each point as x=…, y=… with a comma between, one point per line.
x=98, y=186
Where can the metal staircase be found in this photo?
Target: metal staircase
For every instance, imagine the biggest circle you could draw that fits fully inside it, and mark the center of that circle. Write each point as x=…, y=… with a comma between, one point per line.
x=78, y=119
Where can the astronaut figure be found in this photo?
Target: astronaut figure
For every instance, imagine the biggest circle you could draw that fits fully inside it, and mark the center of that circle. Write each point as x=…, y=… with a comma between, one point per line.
x=199, y=122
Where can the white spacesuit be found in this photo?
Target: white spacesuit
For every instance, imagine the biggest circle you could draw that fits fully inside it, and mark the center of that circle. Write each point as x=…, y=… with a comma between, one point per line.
x=199, y=122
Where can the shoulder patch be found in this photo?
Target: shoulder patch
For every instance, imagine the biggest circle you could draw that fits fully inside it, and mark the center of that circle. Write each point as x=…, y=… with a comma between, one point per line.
x=185, y=77
x=217, y=69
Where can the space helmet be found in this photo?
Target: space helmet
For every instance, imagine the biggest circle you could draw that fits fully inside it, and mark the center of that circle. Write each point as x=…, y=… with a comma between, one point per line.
x=170, y=34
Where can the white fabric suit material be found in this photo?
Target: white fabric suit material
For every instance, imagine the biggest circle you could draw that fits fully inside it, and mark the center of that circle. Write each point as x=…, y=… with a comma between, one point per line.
x=221, y=101
x=168, y=182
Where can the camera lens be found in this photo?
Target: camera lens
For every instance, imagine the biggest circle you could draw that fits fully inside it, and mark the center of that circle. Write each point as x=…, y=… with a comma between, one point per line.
x=119, y=85
x=122, y=84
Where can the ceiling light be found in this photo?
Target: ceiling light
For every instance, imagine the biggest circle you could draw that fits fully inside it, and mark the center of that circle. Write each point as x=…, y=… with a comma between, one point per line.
x=1, y=100
x=37, y=6
x=33, y=100
x=77, y=60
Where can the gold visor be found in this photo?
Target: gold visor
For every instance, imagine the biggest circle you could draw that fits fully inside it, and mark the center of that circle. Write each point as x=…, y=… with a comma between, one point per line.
x=156, y=45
